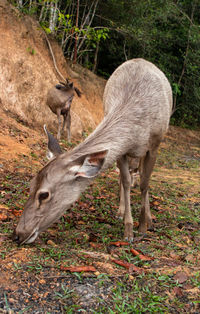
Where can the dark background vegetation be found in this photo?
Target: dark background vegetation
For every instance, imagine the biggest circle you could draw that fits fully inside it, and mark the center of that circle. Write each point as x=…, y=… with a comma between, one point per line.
x=100, y=35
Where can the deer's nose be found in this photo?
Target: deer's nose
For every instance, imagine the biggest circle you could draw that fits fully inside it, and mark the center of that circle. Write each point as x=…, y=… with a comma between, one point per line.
x=15, y=237
x=18, y=237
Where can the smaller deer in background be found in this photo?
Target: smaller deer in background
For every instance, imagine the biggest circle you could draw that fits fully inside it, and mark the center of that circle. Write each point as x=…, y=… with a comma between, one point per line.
x=59, y=99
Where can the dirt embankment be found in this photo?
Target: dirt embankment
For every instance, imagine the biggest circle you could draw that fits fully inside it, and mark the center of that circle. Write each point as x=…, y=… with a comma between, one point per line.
x=27, y=72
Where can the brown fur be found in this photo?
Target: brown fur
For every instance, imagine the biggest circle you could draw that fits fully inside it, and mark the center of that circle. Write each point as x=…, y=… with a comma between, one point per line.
x=59, y=99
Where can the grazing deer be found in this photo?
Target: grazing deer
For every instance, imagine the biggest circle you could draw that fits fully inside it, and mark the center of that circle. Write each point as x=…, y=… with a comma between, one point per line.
x=138, y=104
x=59, y=99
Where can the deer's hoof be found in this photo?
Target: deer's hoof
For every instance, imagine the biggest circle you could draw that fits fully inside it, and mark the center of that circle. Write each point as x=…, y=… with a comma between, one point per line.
x=142, y=228
x=145, y=224
x=120, y=215
x=130, y=240
x=128, y=233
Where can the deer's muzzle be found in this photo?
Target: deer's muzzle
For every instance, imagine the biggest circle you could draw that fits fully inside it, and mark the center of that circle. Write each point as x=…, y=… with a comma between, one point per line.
x=24, y=237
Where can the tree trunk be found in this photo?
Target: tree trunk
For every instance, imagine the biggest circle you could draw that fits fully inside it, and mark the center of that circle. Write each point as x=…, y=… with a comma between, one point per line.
x=96, y=57
x=53, y=16
x=186, y=53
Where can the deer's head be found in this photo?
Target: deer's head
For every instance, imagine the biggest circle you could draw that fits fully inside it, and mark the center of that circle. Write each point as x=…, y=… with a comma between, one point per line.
x=67, y=86
x=54, y=189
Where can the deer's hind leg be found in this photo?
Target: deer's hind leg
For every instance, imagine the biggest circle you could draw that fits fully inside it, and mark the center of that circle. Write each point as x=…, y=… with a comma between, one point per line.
x=146, y=167
x=125, y=191
x=133, y=164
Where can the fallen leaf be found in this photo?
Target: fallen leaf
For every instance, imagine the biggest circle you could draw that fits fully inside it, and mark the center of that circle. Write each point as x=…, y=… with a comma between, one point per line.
x=181, y=245
x=131, y=277
x=17, y=213
x=157, y=197
x=187, y=240
x=51, y=243
x=174, y=256
x=129, y=266
x=92, y=208
x=141, y=256
x=105, y=267
x=181, y=277
x=159, y=247
x=190, y=258
x=3, y=217
x=178, y=291
x=91, y=197
x=119, y=243
x=95, y=245
x=78, y=269
x=80, y=222
x=153, y=217
x=194, y=291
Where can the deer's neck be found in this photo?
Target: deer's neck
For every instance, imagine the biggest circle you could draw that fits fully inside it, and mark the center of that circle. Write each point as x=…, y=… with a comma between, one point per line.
x=114, y=133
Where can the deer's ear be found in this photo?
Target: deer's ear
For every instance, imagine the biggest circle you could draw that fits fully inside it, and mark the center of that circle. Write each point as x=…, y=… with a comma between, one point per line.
x=53, y=145
x=92, y=165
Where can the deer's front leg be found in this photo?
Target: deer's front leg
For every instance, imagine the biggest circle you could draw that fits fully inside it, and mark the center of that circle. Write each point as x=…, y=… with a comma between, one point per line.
x=59, y=122
x=121, y=209
x=126, y=183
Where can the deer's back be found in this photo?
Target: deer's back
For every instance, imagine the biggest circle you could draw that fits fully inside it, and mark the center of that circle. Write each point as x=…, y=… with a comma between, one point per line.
x=141, y=93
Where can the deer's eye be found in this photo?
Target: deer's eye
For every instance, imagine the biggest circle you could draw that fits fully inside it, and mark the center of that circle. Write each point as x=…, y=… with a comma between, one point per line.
x=43, y=196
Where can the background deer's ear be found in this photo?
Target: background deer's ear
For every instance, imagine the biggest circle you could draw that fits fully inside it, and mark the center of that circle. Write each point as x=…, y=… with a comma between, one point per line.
x=78, y=92
x=92, y=165
x=71, y=85
x=53, y=145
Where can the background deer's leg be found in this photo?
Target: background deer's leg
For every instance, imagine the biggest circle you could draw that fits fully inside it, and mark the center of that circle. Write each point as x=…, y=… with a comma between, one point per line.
x=126, y=183
x=146, y=167
x=69, y=126
x=59, y=122
x=64, y=122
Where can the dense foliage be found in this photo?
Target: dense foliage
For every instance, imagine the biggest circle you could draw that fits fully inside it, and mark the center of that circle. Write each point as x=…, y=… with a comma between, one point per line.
x=102, y=34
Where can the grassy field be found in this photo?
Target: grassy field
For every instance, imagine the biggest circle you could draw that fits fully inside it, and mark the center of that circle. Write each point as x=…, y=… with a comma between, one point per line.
x=35, y=278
